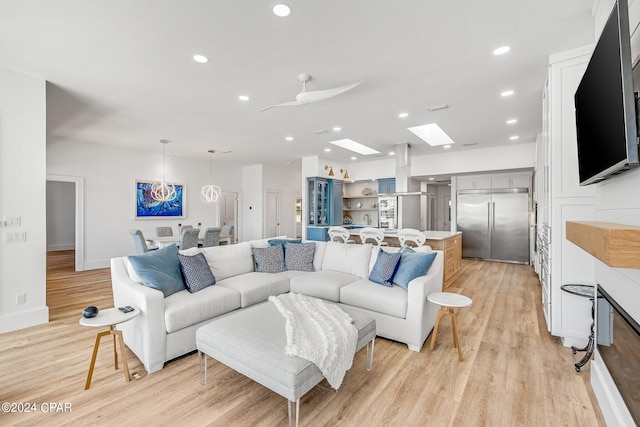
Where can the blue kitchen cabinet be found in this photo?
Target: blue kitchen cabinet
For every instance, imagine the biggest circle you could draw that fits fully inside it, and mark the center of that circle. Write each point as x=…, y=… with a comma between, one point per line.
x=324, y=197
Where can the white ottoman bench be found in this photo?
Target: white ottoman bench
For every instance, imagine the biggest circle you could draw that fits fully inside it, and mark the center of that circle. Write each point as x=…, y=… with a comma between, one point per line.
x=252, y=341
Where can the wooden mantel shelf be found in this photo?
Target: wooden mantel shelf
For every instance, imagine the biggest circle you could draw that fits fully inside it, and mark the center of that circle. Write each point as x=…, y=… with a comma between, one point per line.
x=616, y=245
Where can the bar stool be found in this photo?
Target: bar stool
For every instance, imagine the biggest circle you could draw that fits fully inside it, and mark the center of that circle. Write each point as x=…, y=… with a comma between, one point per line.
x=447, y=302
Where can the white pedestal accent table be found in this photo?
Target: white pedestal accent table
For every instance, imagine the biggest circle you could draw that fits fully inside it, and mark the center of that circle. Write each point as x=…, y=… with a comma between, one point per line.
x=109, y=317
x=447, y=302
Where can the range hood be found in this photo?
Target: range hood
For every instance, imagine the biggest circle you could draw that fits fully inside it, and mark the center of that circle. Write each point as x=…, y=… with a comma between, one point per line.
x=404, y=185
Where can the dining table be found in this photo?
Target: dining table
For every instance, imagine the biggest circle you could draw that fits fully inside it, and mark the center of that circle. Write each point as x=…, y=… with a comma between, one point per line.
x=164, y=241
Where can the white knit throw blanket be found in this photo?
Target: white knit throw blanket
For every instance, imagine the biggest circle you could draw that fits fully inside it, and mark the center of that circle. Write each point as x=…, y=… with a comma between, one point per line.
x=319, y=332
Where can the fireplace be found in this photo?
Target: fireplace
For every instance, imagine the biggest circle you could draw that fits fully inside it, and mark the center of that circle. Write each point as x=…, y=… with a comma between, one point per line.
x=618, y=340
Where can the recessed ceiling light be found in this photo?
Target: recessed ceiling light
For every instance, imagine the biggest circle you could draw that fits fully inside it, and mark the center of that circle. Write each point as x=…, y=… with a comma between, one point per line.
x=514, y=137
x=507, y=93
x=281, y=9
x=201, y=59
x=501, y=50
x=243, y=98
x=289, y=138
x=337, y=128
x=431, y=178
x=392, y=153
x=403, y=115
x=354, y=158
x=352, y=145
x=432, y=134
x=446, y=146
x=512, y=121
x=327, y=150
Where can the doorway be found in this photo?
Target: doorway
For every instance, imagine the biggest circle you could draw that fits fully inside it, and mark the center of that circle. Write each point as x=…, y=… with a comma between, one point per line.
x=229, y=212
x=77, y=210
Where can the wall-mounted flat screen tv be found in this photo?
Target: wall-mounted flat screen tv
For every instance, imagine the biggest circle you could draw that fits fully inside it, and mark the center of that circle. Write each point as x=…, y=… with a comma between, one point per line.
x=605, y=104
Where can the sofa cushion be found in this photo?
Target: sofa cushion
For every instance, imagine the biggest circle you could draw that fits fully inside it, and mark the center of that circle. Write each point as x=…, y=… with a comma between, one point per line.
x=282, y=242
x=264, y=243
x=226, y=260
x=368, y=295
x=159, y=270
x=269, y=260
x=196, y=272
x=347, y=258
x=322, y=284
x=321, y=247
x=412, y=264
x=384, y=268
x=256, y=287
x=184, y=309
x=299, y=256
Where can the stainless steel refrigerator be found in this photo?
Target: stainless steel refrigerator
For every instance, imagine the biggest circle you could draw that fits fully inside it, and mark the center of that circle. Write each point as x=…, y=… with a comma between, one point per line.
x=494, y=224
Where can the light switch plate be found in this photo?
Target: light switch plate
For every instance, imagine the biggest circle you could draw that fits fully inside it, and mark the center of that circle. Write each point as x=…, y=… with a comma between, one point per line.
x=12, y=221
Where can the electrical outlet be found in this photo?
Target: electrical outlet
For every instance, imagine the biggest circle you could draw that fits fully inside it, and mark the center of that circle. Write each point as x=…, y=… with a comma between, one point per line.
x=13, y=237
x=21, y=298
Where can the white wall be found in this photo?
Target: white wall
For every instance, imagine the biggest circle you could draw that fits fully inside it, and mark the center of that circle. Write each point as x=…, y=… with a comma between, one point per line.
x=61, y=215
x=110, y=174
x=252, y=206
x=22, y=193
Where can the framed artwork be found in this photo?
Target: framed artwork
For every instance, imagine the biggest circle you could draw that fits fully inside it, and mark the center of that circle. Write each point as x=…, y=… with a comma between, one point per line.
x=148, y=208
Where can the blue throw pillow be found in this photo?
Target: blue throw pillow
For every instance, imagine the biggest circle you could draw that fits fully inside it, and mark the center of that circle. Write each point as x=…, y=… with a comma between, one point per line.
x=412, y=264
x=299, y=256
x=196, y=272
x=384, y=268
x=269, y=260
x=283, y=242
x=159, y=270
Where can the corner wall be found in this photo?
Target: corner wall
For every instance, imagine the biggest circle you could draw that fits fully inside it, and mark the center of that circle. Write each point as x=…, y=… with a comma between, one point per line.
x=22, y=193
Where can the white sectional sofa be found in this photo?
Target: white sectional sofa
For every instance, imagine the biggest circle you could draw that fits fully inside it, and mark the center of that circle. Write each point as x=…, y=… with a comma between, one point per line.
x=166, y=327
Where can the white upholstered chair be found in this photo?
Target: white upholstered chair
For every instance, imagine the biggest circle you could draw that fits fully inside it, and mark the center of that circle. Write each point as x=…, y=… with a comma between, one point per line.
x=372, y=235
x=407, y=235
x=340, y=234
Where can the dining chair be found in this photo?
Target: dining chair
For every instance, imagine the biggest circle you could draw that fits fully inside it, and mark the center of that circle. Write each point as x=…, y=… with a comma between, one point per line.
x=227, y=230
x=140, y=242
x=189, y=238
x=187, y=227
x=375, y=234
x=340, y=234
x=211, y=237
x=164, y=231
x=407, y=235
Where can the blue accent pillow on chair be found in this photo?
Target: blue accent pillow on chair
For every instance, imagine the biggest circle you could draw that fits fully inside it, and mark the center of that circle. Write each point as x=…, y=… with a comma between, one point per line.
x=196, y=272
x=412, y=264
x=159, y=270
x=384, y=268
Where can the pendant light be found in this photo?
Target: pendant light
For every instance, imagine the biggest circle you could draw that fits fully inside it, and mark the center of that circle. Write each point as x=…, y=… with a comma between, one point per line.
x=210, y=193
x=163, y=191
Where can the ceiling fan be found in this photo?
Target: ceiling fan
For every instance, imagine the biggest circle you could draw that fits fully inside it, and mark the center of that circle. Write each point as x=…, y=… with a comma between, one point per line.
x=311, y=96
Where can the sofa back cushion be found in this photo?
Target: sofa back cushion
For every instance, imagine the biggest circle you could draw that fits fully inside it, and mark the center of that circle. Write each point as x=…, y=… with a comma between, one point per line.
x=226, y=260
x=347, y=258
x=318, y=255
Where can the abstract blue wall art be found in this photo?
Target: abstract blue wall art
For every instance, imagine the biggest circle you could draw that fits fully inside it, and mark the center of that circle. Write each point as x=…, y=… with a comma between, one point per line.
x=148, y=207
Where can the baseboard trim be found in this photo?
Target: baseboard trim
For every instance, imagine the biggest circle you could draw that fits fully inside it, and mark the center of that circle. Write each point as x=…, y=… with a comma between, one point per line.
x=95, y=265
x=62, y=247
x=24, y=319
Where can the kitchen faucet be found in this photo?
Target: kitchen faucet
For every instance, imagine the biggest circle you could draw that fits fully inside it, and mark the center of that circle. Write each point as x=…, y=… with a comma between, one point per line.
x=365, y=217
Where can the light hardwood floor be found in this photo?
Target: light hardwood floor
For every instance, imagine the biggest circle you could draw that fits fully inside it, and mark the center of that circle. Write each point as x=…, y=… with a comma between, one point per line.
x=514, y=372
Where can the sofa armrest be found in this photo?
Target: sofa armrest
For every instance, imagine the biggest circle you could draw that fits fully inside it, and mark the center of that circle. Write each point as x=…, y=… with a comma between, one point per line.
x=421, y=313
x=146, y=334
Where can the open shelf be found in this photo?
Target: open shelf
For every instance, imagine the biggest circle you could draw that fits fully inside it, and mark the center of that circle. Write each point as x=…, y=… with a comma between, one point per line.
x=616, y=245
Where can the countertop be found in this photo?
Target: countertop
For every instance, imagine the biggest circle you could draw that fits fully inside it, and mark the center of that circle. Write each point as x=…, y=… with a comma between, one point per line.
x=431, y=235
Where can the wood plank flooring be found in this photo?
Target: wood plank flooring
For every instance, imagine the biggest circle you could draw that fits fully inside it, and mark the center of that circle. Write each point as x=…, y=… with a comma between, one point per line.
x=514, y=372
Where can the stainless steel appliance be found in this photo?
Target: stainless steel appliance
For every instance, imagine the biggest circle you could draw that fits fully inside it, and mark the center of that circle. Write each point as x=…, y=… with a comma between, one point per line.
x=402, y=211
x=494, y=224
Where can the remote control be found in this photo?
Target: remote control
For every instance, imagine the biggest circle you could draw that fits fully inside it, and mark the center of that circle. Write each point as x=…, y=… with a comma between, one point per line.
x=126, y=309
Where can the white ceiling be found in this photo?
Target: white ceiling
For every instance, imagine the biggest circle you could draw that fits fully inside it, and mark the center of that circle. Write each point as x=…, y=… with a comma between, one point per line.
x=121, y=71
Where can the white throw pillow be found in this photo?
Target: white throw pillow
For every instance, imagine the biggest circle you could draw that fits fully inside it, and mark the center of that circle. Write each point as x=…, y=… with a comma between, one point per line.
x=347, y=258
x=229, y=260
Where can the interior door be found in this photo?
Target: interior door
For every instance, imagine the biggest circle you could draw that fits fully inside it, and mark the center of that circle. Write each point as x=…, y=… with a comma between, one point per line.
x=474, y=222
x=510, y=234
x=272, y=225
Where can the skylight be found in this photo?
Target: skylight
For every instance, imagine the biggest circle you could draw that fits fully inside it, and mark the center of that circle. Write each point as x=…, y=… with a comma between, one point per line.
x=350, y=144
x=432, y=134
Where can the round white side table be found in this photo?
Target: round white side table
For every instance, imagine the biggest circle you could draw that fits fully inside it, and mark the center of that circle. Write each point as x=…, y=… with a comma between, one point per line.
x=447, y=302
x=109, y=317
